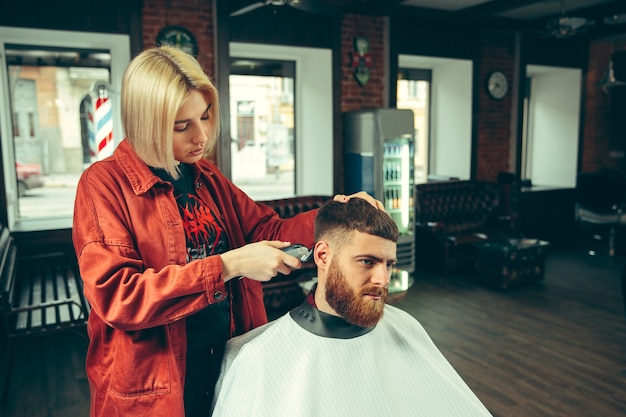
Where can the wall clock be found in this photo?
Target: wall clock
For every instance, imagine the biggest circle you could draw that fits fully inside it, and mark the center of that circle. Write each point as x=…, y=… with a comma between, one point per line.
x=497, y=85
x=178, y=37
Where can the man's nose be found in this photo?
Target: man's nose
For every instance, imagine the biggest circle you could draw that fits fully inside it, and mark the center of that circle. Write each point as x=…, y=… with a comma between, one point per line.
x=381, y=275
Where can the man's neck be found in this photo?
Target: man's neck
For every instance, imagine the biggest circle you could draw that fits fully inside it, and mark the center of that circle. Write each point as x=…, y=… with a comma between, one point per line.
x=320, y=302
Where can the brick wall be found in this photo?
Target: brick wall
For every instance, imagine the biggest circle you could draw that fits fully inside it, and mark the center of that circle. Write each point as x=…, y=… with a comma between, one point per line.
x=494, y=116
x=194, y=15
x=596, y=144
x=371, y=95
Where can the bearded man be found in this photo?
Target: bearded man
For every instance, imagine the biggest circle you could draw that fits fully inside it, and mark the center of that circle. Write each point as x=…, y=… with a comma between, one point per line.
x=343, y=351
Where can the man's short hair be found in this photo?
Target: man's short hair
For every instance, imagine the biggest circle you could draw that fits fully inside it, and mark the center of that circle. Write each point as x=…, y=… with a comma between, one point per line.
x=334, y=221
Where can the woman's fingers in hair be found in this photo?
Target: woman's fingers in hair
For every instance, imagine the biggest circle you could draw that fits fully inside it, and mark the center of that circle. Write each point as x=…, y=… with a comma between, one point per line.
x=362, y=195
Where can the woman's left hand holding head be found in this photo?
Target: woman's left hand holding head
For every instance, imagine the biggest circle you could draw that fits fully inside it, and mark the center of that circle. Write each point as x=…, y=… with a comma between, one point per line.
x=361, y=194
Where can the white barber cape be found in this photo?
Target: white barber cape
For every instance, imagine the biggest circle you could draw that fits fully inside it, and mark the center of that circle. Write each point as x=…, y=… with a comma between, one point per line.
x=283, y=369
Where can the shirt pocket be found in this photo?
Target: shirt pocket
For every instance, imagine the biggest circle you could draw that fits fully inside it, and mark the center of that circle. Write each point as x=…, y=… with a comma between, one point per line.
x=142, y=364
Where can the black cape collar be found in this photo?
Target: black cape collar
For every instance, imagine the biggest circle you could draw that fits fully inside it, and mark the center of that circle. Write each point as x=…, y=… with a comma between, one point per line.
x=325, y=325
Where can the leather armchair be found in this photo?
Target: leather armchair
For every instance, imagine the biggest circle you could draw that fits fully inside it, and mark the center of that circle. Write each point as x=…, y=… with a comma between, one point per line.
x=452, y=217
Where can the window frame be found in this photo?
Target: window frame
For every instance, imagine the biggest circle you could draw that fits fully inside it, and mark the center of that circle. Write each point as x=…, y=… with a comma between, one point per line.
x=552, y=106
x=119, y=47
x=261, y=68
x=451, y=94
x=313, y=112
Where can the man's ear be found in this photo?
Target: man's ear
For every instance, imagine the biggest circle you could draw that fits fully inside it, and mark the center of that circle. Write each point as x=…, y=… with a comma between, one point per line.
x=321, y=254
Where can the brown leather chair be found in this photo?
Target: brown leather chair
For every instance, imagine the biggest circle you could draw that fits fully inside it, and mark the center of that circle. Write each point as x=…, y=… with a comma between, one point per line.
x=452, y=217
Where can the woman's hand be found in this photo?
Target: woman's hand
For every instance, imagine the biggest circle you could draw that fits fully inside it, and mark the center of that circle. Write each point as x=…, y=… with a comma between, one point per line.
x=260, y=261
x=363, y=195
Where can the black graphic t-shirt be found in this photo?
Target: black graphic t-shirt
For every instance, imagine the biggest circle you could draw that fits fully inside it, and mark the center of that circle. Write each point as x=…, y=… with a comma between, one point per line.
x=205, y=237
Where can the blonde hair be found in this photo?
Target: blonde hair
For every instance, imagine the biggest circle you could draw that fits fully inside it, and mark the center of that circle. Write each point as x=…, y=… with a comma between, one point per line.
x=155, y=85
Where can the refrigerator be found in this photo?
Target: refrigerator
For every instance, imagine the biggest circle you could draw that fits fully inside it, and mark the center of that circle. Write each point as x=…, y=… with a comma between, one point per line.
x=379, y=150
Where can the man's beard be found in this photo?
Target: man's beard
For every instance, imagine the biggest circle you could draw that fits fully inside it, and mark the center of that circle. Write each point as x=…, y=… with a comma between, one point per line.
x=349, y=303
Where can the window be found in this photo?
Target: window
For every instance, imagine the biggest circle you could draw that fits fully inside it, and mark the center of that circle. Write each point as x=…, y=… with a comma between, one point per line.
x=262, y=129
x=62, y=90
x=449, y=119
x=292, y=130
x=413, y=93
x=550, y=126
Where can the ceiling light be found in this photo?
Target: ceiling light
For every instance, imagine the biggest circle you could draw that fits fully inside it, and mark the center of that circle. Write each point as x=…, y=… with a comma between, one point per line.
x=563, y=26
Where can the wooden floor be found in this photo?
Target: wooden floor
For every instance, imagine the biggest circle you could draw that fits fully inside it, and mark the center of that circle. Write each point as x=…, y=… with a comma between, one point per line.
x=556, y=348
x=552, y=349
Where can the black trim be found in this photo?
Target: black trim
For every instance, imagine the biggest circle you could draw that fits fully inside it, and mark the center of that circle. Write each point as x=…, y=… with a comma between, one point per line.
x=325, y=325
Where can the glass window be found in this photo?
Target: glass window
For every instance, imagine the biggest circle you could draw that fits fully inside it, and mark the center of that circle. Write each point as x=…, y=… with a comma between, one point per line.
x=306, y=78
x=64, y=112
x=63, y=108
x=447, y=103
x=413, y=93
x=262, y=127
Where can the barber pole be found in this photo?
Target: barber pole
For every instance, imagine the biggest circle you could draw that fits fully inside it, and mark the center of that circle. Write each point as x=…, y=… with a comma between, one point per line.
x=97, y=124
x=103, y=122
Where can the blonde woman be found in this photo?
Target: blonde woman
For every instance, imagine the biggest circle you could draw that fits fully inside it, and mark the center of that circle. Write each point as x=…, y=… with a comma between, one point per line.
x=160, y=234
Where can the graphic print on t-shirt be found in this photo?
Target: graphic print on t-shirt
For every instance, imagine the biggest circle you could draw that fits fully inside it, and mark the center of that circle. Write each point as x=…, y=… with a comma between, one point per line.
x=204, y=235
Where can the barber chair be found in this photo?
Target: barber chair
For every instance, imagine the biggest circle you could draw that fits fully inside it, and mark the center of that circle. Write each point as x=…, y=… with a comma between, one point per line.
x=601, y=201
